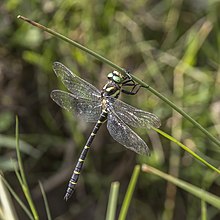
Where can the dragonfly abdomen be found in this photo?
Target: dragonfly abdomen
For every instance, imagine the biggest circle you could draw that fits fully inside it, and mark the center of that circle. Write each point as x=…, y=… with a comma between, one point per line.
x=75, y=176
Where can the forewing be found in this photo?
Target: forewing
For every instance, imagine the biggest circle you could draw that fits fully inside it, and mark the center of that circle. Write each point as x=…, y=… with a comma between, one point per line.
x=133, y=116
x=89, y=110
x=124, y=135
x=76, y=85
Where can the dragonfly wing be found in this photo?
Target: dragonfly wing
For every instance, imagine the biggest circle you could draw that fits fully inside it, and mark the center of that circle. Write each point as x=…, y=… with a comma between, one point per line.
x=133, y=116
x=75, y=84
x=90, y=110
x=124, y=135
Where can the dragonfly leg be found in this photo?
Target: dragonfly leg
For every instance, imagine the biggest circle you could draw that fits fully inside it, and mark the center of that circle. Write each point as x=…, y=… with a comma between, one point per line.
x=131, y=83
x=133, y=91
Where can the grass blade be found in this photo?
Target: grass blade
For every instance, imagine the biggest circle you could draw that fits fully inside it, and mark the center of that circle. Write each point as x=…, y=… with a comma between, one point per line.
x=17, y=198
x=22, y=178
x=196, y=191
x=9, y=142
x=45, y=201
x=203, y=210
x=7, y=210
x=129, y=193
x=187, y=149
x=112, y=202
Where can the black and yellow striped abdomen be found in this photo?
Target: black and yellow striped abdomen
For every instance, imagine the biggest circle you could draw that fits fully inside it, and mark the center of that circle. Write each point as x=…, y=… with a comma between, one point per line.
x=110, y=89
x=75, y=176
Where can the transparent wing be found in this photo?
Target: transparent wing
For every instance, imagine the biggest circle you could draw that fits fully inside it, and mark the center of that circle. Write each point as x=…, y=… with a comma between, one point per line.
x=76, y=85
x=133, y=116
x=124, y=135
x=89, y=110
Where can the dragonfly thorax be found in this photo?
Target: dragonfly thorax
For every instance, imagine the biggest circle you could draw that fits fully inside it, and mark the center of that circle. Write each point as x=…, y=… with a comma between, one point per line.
x=113, y=86
x=111, y=89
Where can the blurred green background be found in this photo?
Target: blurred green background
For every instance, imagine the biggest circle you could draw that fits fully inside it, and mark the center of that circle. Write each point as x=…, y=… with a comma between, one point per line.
x=173, y=45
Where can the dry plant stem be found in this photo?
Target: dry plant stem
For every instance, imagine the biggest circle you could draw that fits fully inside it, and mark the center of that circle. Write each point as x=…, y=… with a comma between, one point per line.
x=144, y=85
x=48, y=30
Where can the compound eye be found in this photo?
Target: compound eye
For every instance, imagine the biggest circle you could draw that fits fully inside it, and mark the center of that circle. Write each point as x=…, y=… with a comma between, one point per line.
x=110, y=75
x=117, y=79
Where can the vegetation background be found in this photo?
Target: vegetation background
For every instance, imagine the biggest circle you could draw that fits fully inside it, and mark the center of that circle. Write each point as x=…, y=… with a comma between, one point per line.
x=173, y=45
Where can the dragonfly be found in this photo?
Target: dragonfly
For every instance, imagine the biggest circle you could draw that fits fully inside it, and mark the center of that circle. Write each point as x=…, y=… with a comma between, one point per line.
x=99, y=106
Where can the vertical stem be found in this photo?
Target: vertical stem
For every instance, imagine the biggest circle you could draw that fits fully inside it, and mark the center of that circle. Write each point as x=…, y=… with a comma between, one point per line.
x=129, y=193
x=23, y=178
x=112, y=202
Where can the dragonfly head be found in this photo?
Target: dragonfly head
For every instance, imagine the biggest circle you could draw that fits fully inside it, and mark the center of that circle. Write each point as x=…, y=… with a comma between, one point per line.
x=116, y=77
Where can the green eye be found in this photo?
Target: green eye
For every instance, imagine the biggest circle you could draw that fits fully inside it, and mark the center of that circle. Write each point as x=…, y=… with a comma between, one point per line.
x=117, y=79
x=110, y=75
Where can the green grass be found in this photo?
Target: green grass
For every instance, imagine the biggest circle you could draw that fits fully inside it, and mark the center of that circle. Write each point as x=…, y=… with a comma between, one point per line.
x=112, y=202
x=171, y=46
